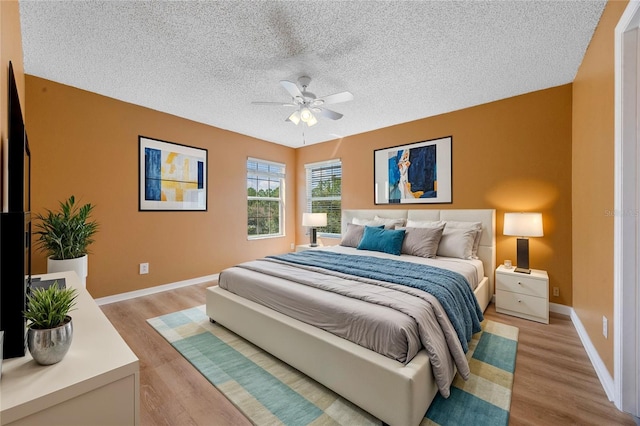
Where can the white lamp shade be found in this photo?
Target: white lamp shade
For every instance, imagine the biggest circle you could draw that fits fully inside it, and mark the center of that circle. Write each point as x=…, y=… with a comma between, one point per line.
x=523, y=224
x=314, y=219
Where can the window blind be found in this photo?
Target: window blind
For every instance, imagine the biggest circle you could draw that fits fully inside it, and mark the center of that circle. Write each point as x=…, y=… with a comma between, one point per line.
x=324, y=193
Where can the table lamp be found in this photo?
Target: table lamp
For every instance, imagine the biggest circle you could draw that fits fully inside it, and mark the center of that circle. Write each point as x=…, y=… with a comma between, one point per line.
x=313, y=221
x=523, y=225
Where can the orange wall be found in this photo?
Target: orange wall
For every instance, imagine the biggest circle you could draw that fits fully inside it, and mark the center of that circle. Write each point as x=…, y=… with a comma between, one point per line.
x=10, y=50
x=511, y=155
x=516, y=154
x=87, y=145
x=593, y=183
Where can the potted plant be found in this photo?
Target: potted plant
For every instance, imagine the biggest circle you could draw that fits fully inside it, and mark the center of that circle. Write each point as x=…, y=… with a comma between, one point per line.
x=65, y=235
x=50, y=328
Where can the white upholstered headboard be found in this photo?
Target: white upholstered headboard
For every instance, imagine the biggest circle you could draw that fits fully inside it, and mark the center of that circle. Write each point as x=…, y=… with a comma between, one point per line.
x=487, y=248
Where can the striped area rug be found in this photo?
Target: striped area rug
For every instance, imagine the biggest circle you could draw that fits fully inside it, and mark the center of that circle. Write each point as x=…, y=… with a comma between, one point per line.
x=269, y=392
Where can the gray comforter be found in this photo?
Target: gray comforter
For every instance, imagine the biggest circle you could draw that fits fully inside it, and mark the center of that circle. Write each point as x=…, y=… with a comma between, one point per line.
x=387, y=318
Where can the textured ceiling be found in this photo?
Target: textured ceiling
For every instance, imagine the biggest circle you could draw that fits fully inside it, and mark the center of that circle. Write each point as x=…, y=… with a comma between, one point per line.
x=207, y=61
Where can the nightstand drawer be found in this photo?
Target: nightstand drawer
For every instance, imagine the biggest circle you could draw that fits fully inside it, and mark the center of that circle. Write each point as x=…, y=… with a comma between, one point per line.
x=511, y=303
x=521, y=284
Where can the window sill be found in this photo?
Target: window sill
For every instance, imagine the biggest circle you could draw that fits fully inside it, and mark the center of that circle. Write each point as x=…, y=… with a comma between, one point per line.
x=330, y=236
x=264, y=237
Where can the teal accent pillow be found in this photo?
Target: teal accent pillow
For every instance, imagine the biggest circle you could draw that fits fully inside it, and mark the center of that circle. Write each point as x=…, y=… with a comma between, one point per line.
x=354, y=234
x=383, y=240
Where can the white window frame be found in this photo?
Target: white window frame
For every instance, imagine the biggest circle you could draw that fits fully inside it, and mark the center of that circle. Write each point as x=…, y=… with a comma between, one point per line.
x=309, y=168
x=269, y=175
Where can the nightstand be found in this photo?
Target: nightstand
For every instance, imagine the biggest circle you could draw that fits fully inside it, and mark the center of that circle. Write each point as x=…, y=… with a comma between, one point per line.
x=304, y=247
x=523, y=295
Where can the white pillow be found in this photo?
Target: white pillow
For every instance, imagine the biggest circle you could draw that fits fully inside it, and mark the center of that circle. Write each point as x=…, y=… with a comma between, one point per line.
x=377, y=221
x=362, y=222
x=476, y=226
x=388, y=222
x=424, y=223
x=457, y=242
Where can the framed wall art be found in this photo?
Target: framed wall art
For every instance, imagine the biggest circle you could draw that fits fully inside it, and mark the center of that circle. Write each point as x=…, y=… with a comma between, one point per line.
x=416, y=173
x=172, y=177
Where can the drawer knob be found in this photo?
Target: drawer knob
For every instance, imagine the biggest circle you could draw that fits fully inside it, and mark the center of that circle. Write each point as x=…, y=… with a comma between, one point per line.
x=519, y=301
x=519, y=283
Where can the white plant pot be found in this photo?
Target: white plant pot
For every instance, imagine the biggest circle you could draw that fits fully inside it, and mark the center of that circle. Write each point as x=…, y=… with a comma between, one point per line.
x=80, y=265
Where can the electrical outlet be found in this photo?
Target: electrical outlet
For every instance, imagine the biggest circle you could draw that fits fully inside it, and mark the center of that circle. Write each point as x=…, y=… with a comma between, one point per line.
x=293, y=246
x=605, y=327
x=556, y=292
x=144, y=268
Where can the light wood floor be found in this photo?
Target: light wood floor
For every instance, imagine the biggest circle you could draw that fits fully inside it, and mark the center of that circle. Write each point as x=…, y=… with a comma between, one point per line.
x=554, y=383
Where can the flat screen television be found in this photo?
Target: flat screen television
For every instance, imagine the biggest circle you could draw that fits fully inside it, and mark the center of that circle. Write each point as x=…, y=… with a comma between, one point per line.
x=15, y=230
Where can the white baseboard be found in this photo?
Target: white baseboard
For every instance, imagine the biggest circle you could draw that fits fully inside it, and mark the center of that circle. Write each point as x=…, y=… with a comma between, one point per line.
x=601, y=370
x=152, y=290
x=560, y=309
x=598, y=365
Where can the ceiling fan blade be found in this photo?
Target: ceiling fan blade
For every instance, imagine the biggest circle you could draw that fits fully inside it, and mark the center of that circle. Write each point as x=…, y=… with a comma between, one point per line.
x=274, y=103
x=292, y=88
x=336, y=98
x=330, y=114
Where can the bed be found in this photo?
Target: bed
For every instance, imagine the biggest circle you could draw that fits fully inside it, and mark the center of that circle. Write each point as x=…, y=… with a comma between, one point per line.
x=396, y=392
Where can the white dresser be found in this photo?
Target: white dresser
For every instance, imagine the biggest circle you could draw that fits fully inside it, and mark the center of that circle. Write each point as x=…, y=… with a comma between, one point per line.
x=97, y=382
x=523, y=295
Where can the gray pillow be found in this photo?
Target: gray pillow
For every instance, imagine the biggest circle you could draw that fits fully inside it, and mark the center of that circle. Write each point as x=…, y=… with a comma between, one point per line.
x=422, y=242
x=353, y=235
x=457, y=242
x=469, y=225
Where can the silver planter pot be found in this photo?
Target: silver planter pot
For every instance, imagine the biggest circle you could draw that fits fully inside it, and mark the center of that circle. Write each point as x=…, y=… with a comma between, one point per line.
x=49, y=346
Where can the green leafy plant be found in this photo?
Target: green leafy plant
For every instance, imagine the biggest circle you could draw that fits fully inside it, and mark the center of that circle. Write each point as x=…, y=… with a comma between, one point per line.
x=65, y=234
x=49, y=307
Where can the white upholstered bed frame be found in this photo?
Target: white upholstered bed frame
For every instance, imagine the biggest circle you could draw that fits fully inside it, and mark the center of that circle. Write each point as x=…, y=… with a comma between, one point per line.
x=395, y=393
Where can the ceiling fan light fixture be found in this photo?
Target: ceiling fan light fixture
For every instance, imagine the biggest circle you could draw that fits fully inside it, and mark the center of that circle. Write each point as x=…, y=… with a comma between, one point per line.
x=312, y=121
x=306, y=115
x=306, y=103
x=294, y=117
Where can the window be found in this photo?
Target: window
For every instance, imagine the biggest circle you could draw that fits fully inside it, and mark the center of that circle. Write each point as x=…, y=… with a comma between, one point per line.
x=324, y=189
x=265, y=198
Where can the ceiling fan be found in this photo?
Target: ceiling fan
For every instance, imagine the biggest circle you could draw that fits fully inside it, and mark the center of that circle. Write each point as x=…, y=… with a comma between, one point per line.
x=307, y=104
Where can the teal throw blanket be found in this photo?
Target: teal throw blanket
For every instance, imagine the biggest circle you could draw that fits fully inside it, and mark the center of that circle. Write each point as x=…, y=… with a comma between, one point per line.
x=450, y=288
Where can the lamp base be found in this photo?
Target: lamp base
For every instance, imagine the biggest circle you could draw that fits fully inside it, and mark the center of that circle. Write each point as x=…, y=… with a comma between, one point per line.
x=314, y=241
x=522, y=254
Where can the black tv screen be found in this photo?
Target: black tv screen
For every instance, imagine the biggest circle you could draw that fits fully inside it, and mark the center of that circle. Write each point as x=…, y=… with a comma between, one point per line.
x=26, y=183
x=15, y=230
x=19, y=159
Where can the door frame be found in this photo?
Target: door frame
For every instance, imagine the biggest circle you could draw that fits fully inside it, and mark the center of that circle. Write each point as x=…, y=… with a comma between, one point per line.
x=626, y=225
